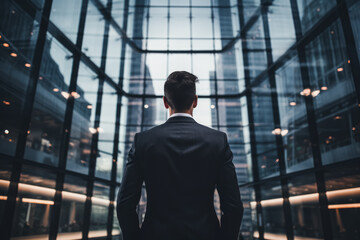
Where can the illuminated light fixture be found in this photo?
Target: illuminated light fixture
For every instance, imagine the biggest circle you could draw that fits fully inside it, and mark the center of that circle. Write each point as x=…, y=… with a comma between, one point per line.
x=292, y=103
x=3, y=197
x=284, y=132
x=348, y=205
x=6, y=45
x=37, y=201
x=263, y=166
x=146, y=106
x=324, y=88
x=99, y=129
x=55, y=89
x=75, y=95
x=327, y=141
x=353, y=128
x=89, y=106
x=330, y=137
x=212, y=106
x=65, y=94
x=40, y=78
x=340, y=69
x=92, y=130
x=6, y=102
x=306, y=92
x=10, y=140
x=28, y=132
x=348, y=61
x=13, y=54
x=276, y=131
x=6, y=131
x=277, y=160
x=332, y=32
x=337, y=117
x=27, y=65
x=315, y=93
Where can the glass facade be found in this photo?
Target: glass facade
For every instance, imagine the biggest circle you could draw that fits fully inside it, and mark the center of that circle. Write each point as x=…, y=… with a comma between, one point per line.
x=80, y=78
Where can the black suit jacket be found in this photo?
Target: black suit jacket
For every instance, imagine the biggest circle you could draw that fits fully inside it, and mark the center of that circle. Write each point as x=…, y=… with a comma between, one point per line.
x=181, y=163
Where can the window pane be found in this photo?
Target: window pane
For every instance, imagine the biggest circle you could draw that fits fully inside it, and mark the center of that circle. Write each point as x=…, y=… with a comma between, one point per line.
x=82, y=126
x=354, y=12
x=112, y=67
x=18, y=38
x=106, y=133
x=333, y=92
x=305, y=210
x=99, y=210
x=65, y=14
x=46, y=126
x=72, y=207
x=280, y=18
x=343, y=193
x=93, y=34
x=36, y=199
x=312, y=10
x=293, y=118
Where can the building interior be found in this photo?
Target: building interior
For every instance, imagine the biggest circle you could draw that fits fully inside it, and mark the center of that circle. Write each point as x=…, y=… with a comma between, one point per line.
x=79, y=78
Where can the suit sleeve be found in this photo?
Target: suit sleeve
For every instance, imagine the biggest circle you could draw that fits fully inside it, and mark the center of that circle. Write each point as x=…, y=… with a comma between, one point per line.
x=230, y=201
x=129, y=196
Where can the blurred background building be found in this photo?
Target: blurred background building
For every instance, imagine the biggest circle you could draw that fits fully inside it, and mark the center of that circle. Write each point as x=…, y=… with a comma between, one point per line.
x=79, y=78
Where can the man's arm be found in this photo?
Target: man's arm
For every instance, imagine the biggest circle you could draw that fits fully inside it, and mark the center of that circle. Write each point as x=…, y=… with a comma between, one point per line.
x=129, y=196
x=230, y=201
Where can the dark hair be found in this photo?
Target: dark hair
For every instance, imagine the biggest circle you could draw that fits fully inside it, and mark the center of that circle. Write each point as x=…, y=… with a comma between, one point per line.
x=180, y=90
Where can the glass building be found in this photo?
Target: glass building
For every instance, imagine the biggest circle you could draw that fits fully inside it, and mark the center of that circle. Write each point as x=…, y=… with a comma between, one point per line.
x=78, y=78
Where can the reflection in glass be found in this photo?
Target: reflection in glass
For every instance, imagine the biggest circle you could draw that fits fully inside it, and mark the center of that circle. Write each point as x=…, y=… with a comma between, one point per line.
x=333, y=92
x=354, y=12
x=343, y=193
x=93, y=34
x=272, y=209
x=16, y=52
x=279, y=18
x=106, y=133
x=44, y=134
x=72, y=206
x=311, y=11
x=267, y=158
x=293, y=119
x=304, y=202
x=65, y=14
x=33, y=210
x=82, y=126
x=99, y=210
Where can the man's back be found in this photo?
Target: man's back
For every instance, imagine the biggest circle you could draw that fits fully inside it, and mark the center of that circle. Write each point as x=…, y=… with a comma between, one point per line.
x=181, y=163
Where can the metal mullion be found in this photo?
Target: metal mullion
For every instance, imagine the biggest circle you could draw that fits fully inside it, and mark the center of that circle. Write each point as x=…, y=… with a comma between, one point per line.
x=95, y=137
x=277, y=123
x=65, y=137
x=254, y=162
x=117, y=128
x=313, y=131
x=10, y=205
x=215, y=67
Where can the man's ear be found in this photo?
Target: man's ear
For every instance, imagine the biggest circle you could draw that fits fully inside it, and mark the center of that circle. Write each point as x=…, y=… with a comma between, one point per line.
x=195, y=101
x=165, y=102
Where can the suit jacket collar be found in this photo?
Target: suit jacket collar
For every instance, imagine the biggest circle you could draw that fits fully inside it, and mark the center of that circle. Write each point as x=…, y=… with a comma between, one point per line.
x=180, y=119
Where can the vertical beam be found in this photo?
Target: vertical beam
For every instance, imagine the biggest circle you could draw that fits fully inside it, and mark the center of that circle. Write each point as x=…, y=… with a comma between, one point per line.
x=112, y=195
x=277, y=123
x=65, y=137
x=10, y=205
x=95, y=137
x=313, y=131
x=251, y=120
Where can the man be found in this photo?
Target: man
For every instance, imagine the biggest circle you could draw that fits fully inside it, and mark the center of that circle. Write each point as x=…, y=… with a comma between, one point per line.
x=181, y=163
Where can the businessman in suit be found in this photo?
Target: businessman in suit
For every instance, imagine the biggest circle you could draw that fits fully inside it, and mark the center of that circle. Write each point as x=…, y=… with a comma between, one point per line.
x=181, y=163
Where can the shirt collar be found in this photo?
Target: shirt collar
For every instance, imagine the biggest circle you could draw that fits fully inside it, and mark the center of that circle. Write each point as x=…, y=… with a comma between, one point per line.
x=181, y=115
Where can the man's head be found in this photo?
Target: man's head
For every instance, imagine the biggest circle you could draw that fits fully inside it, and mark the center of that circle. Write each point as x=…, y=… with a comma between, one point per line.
x=180, y=92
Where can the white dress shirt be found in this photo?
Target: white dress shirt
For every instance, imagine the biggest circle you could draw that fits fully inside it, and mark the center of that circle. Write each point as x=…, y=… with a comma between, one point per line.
x=181, y=115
